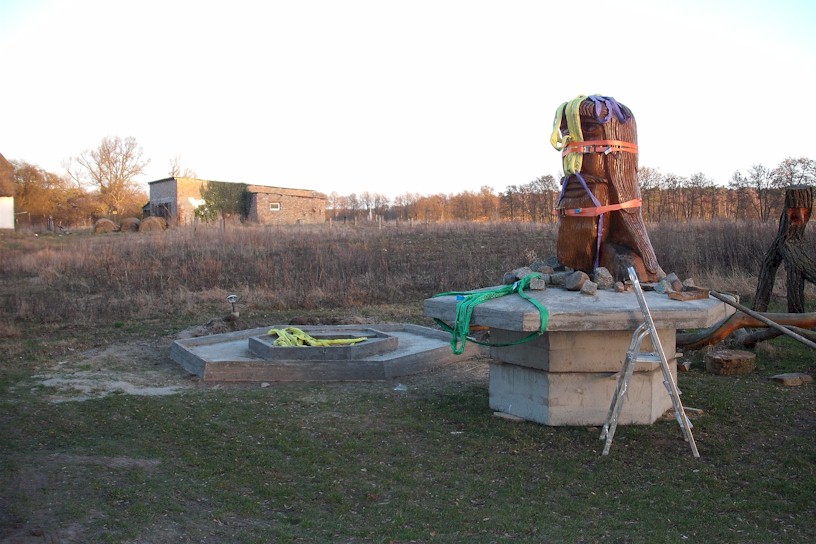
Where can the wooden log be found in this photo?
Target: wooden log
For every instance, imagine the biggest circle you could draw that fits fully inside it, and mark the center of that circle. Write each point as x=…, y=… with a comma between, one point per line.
x=765, y=320
x=730, y=362
x=740, y=320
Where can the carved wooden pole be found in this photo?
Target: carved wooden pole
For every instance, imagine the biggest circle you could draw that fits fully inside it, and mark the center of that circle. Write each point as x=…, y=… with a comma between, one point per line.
x=789, y=247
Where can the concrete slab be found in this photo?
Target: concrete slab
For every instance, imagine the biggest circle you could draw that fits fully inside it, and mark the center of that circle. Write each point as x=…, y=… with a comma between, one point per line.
x=572, y=311
x=227, y=357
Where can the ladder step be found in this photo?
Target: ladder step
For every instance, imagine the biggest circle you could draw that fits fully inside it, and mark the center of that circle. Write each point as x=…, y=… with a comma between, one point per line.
x=648, y=358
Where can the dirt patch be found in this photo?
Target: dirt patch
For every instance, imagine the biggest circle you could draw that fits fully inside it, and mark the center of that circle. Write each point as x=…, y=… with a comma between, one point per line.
x=136, y=368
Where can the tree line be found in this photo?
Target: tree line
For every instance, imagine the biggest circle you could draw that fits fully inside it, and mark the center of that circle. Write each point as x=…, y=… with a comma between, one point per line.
x=101, y=182
x=756, y=195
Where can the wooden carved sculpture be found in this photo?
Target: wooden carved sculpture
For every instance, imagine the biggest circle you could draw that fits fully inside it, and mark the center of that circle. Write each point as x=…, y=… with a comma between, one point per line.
x=789, y=246
x=599, y=207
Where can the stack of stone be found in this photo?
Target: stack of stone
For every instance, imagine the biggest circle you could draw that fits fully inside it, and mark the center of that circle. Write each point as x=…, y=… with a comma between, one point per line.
x=554, y=274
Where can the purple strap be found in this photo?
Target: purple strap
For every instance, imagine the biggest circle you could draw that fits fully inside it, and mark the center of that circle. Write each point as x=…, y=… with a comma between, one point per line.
x=597, y=204
x=612, y=106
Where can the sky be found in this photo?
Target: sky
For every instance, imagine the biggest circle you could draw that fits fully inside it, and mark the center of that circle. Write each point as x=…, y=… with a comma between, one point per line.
x=397, y=97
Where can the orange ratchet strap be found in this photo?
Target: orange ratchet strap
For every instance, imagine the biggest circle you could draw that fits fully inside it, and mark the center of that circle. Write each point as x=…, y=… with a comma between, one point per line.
x=599, y=146
x=592, y=212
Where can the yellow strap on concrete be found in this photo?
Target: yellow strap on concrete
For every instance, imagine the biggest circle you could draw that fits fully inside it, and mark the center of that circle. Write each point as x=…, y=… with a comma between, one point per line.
x=294, y=337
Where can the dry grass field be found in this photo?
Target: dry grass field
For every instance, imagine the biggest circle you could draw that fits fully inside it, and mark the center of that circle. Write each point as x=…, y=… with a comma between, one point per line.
x=103, y=438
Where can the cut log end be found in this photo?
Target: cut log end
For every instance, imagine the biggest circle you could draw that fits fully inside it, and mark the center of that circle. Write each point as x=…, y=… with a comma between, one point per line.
x=730, y=362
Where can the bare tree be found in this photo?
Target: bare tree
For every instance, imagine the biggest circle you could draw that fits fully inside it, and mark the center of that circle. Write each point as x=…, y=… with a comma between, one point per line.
x=761, y=181
x=650, y=180
x=381, y=204
x=111, y=168
x=792, y=171
x=744, y=202
x=177, y=172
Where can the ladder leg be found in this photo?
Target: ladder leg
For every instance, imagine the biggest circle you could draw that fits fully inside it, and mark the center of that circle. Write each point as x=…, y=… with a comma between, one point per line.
x=679, y=411
x=611, y=423
x=668, y=380
x=608, y=433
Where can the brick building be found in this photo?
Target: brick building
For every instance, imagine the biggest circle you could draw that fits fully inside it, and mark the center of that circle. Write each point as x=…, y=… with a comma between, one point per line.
x=176, y=199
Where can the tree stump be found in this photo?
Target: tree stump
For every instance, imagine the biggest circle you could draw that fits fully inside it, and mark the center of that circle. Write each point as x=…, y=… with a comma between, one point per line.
x=730, y=362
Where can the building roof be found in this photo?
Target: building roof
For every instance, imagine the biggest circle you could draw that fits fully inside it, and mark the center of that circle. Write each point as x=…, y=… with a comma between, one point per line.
x=254, y=188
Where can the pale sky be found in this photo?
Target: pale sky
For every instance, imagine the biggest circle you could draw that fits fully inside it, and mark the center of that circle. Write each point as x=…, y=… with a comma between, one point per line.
x=399, y=97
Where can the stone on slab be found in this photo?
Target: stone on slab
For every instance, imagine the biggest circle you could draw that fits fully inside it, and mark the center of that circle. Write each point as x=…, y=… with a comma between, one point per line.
x=558, y=278
x=603, y=278
x=574, y=281
x=589, y=288
x=538, y=284
x=674, y=282
x=541, y=266
x=522, y=272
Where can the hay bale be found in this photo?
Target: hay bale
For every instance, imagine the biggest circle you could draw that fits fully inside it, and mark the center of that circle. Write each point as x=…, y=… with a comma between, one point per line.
x=129, y=224
x=104, y=225
x=152, y=224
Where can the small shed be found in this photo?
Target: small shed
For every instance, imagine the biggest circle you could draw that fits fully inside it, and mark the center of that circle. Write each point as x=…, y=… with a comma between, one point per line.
x=176, y=199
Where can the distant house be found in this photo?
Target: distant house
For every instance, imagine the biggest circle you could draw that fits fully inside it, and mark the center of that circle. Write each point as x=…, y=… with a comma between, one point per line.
x=6, y=194
x=176, y=199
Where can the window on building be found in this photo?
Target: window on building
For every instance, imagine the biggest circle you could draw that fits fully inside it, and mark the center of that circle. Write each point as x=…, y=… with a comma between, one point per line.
x=274, y=206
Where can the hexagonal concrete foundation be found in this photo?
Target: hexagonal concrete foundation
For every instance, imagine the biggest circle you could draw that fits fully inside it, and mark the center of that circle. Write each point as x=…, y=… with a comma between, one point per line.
x=397, y=350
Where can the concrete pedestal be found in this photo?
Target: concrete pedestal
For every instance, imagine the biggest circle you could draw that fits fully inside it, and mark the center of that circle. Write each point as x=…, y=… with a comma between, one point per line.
x=567, y=376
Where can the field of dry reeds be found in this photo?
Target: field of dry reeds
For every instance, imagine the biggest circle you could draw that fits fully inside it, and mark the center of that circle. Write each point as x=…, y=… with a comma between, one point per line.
x=119, y=275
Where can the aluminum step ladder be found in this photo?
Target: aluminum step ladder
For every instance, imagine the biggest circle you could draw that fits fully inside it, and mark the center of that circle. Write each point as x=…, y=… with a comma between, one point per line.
x=634, y=356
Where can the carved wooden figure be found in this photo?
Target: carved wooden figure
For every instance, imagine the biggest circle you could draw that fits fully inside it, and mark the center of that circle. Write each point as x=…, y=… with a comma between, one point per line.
x=601, y=223
x=789, y=247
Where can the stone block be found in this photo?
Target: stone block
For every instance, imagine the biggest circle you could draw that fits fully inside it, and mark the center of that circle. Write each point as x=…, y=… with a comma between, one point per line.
x=568, y=398
x=567, y=351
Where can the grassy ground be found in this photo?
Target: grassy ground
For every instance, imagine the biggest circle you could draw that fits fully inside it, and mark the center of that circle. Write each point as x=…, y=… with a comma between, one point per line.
x=105, y=439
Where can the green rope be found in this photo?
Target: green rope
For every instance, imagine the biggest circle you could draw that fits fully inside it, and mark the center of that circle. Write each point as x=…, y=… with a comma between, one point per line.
x=468, y=300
